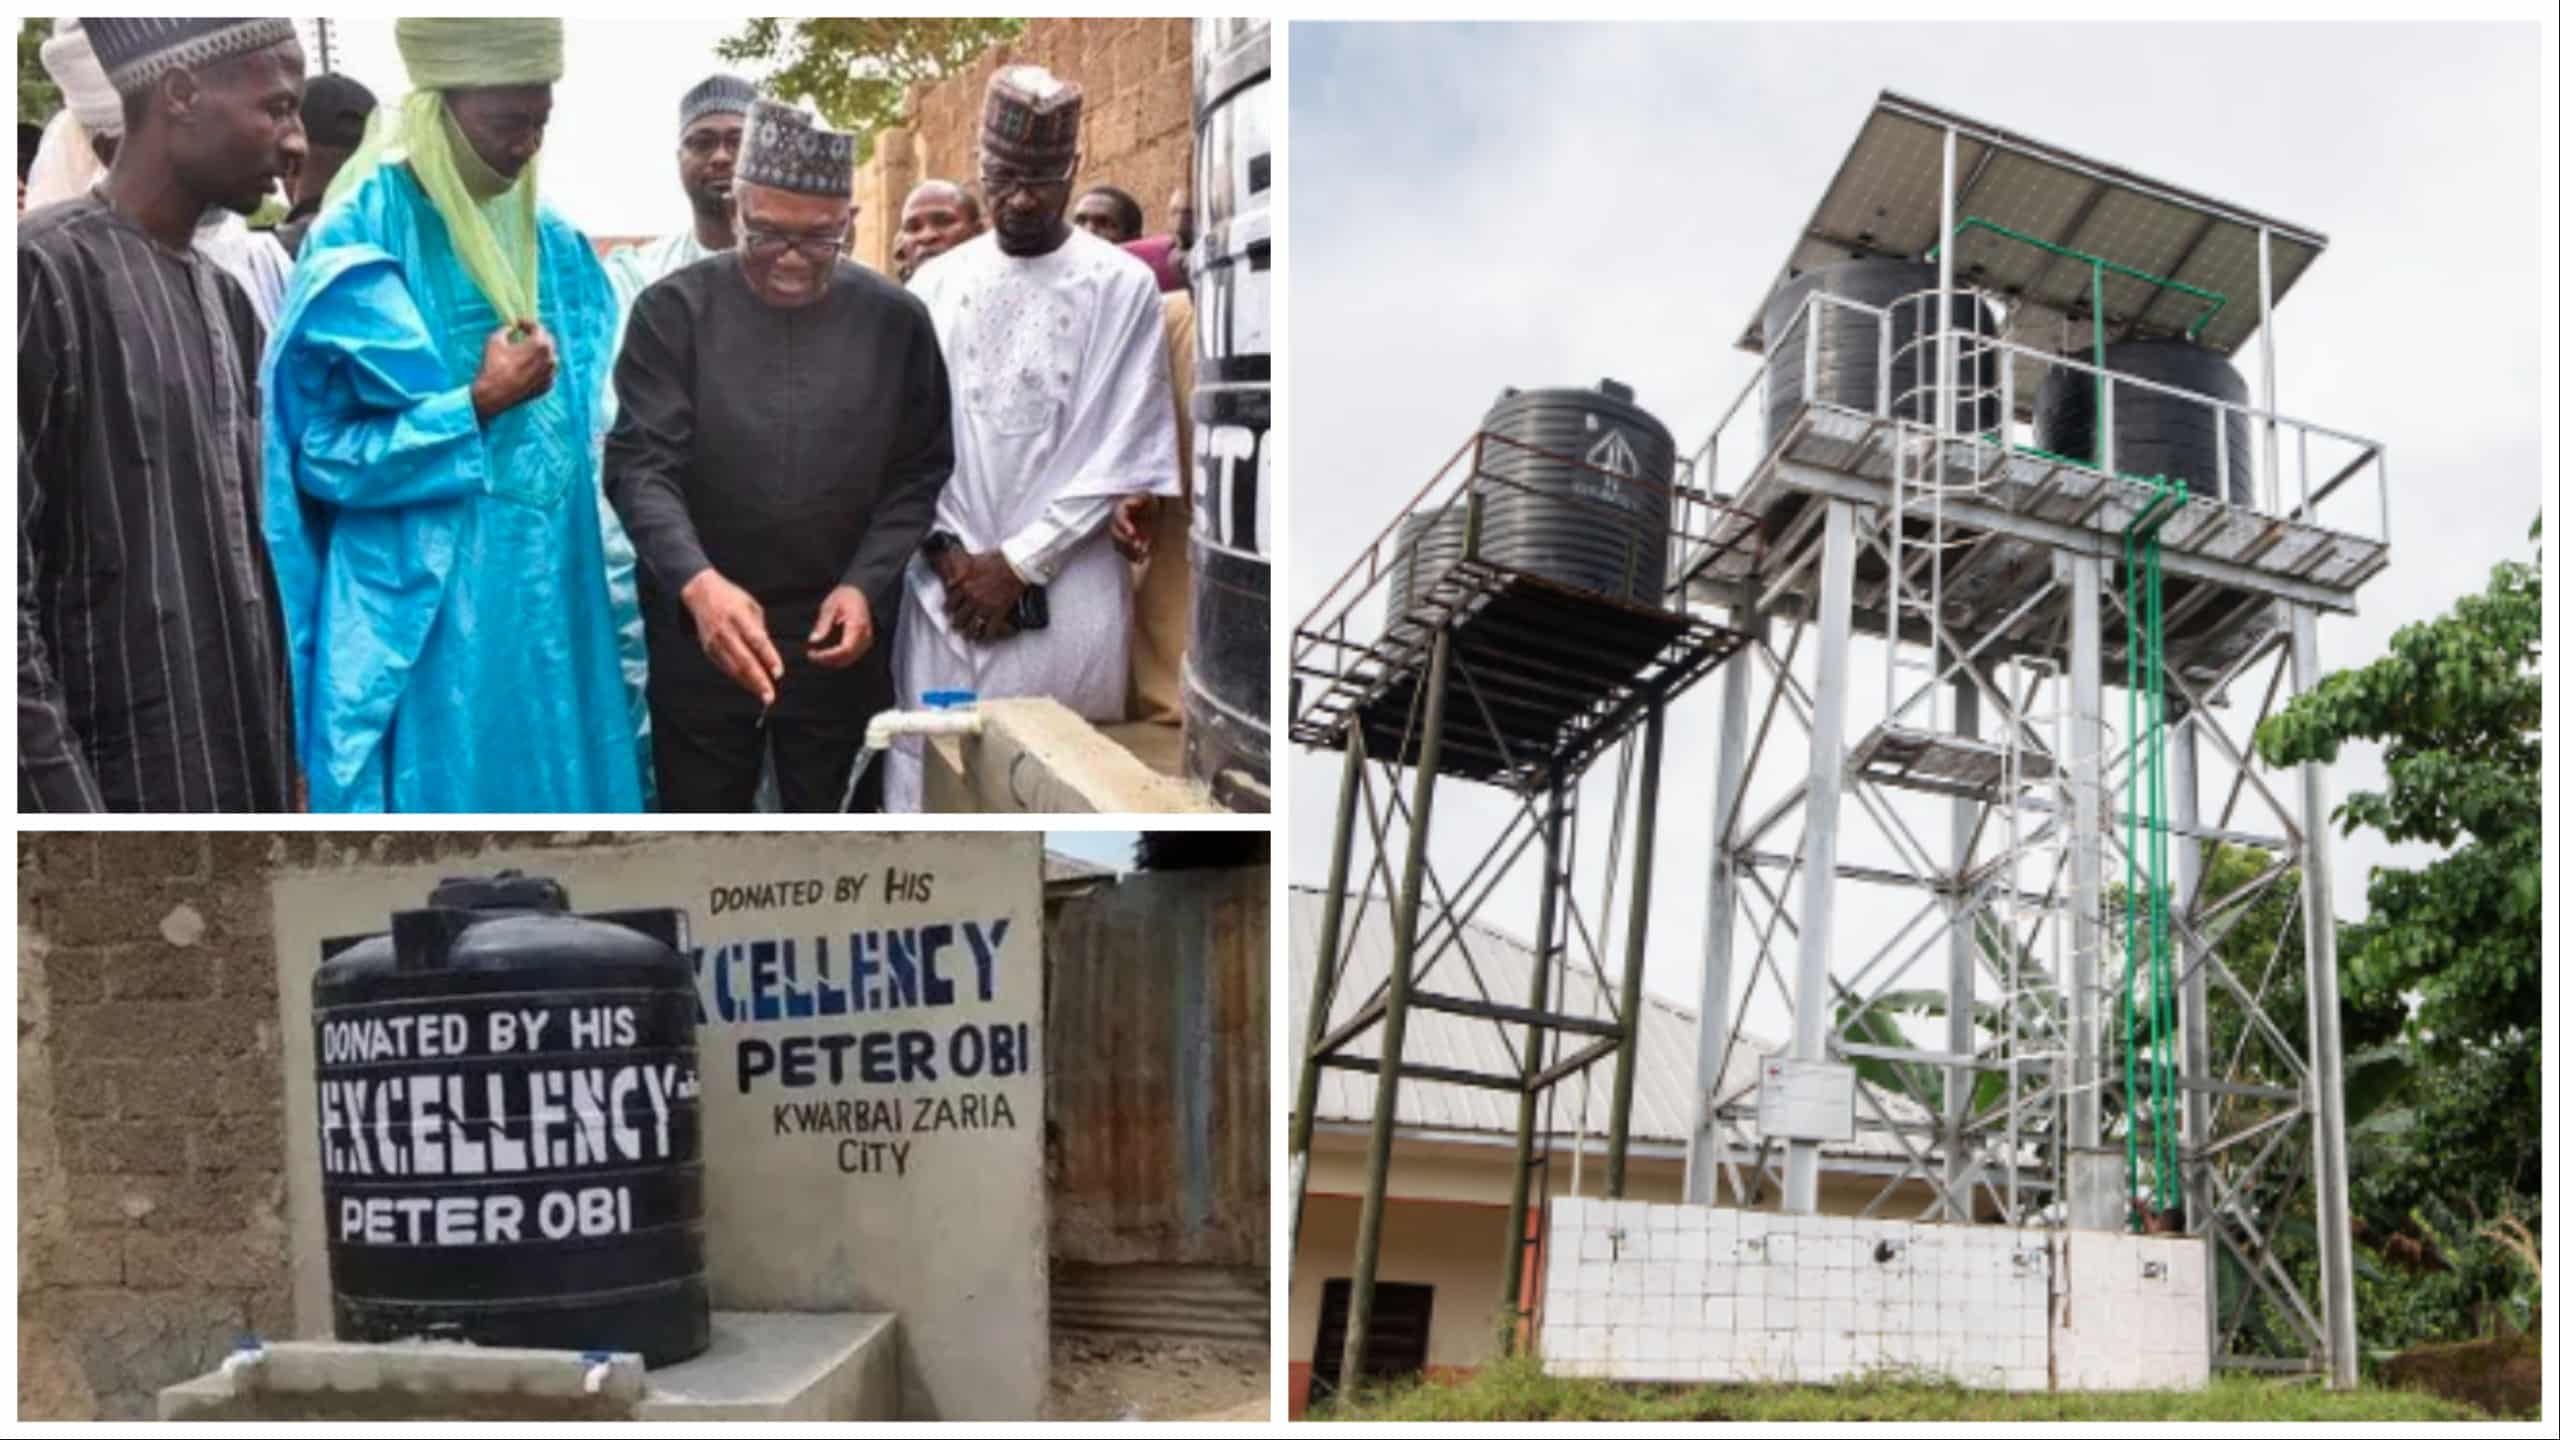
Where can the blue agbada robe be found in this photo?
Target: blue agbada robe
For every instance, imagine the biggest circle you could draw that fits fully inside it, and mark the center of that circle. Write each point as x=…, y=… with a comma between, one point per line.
x=444, y=586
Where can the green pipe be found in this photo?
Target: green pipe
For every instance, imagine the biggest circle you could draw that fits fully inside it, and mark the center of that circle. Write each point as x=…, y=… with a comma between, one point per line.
x=1976, y=222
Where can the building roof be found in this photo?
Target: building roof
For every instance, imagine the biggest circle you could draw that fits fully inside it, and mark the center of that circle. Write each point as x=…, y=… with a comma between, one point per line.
x=1666, y=1048
x=1065, y=877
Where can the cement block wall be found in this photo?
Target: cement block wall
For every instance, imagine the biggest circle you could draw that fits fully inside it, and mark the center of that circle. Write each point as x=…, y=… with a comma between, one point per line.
x=1641, y=1291
x=1136, y=76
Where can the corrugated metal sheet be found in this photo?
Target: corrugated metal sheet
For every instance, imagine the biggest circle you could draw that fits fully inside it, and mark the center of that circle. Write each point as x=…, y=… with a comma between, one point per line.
x=1162, y=1302
x=1666, y=1049
x=1159, y=1071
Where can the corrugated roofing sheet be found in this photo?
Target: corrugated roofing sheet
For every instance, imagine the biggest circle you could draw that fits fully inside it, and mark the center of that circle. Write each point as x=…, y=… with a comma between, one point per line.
x=1666, y=1049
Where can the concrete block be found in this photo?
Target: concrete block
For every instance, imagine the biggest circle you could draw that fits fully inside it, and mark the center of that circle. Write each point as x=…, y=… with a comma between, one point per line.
x=1567, y=1212
x=1662, y=1219
x=1719, y=1315
x=1692, y=1245
x=1690, y=1217
x=774, y=1367
x=1660, y=1276
x=1689, y=1277
x=1750, y=1316
x=1596, y=1245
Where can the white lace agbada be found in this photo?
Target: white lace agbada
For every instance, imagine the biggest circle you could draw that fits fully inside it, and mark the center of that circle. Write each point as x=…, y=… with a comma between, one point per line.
x=1059, y=408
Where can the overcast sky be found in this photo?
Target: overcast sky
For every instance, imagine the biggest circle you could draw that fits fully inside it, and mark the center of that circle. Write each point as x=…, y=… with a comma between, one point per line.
x=609, y=160
x=1478, y=206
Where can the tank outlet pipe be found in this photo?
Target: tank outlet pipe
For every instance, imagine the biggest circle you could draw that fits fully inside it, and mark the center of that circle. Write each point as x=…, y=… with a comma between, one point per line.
x=599, y=1365
x=891, y=725
x=947, y=712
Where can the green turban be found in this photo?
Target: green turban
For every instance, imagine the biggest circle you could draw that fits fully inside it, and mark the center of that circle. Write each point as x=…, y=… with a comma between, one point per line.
x=465, y=53
x=493, y=224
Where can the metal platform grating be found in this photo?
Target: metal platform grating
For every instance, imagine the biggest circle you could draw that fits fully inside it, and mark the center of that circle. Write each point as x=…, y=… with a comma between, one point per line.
x=2213, y=626
x=1543, y=676
x=1940, y=762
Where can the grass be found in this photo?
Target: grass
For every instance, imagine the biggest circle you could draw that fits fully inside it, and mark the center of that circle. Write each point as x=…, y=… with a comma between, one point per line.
x=1517, y=1389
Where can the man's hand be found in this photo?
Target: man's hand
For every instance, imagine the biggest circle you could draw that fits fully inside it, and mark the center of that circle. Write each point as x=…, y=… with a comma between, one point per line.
x=515, y=366
x=846, y=614
x=732, y=627
x=1130, y=522
x=979, y=593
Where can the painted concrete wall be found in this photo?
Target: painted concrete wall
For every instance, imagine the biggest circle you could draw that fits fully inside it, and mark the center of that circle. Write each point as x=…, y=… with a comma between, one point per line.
x=1692, y=1293
x=1440, y=1175
x=933, y=1207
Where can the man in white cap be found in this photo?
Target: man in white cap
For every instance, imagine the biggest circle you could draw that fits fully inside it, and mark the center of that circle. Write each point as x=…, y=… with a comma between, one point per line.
x=784, y=431
x=81, y=142
x=1061, y=410
x=435, y=399
x=150, y=670
x=711, y=126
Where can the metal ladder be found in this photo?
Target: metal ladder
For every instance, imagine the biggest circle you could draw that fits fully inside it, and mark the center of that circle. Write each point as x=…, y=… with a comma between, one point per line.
x=2035, y=932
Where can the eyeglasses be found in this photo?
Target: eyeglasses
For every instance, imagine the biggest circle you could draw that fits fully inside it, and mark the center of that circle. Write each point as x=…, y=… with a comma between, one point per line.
x=702, y=144
x=769, y=244
x=996, y=186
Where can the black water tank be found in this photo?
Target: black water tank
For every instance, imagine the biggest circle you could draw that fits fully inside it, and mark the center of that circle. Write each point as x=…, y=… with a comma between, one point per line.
x=1584, y=496
x=510, y=1126
x=2155, y=434
x=1428, y=542
x=1844, y=367
x=1226, y=674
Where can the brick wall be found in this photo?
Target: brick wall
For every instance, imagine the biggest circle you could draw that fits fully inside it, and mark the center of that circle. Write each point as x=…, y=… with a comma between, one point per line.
x=1136, y=76
x=151, y=1223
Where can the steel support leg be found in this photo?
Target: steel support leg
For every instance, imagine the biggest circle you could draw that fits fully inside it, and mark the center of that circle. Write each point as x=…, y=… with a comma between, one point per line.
x=2195, y=1033
x=1822, y=833
x=1550, y=883
x=1382, y=1120
x=2088, y=898
x=2329, y=1104
x=1962, y=817
x=1302, y=1120
x=1639, y=921
x=1715, y=982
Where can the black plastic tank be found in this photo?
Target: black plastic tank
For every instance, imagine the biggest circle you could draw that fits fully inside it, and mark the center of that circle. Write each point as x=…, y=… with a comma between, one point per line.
x=1845, y=362
x=2155, y=434
x=1226, y=672
x=1584, y=496
x=510, y=1126
x=1428, y=542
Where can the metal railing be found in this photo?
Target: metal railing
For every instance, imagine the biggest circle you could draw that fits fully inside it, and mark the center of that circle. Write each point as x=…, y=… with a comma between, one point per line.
x=2304, y=473
x=1332, y=639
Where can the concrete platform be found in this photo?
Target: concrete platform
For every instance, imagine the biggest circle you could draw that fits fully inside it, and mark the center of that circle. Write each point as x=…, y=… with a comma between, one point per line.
x=761, y=1366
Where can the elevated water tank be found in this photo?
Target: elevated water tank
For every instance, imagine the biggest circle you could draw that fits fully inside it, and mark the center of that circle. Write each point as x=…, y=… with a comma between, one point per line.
x=1428, y=542
x=2155, y=434
x=510, y=1126
x=1226, y=673
x=1582, y=496
x=1846, y=359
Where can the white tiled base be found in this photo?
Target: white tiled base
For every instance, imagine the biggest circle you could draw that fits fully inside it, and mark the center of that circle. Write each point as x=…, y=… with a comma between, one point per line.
x=1691, y=1293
